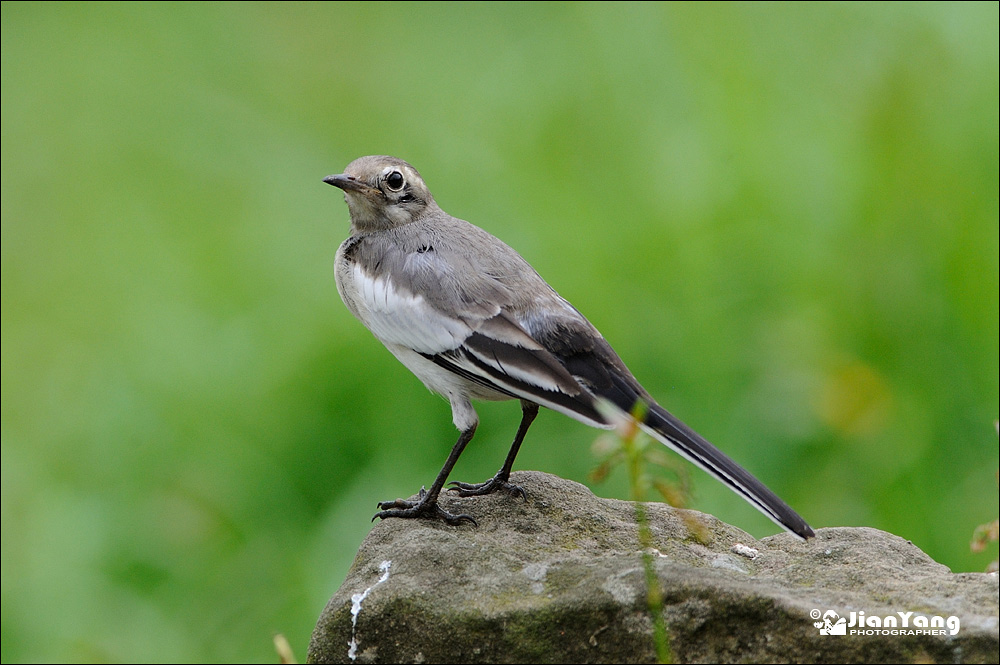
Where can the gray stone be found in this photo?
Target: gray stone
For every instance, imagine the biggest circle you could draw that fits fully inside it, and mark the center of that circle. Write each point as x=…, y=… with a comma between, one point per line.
x=560, y=578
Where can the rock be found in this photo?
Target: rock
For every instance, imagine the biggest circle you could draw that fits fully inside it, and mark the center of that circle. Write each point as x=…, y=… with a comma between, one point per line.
x=561, y=578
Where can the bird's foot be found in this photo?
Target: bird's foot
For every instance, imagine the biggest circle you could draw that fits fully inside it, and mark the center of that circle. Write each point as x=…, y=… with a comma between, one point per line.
x=497, y=482
x=422, y=507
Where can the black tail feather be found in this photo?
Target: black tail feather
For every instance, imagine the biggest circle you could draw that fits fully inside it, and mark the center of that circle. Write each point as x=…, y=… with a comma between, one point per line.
x=675, y=434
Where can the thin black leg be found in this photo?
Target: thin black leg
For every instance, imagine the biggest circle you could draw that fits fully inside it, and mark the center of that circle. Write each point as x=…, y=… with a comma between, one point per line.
x=426, y=505
x=528, y=412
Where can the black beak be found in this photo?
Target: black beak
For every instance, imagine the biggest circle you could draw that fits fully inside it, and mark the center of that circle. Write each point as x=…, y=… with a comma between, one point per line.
x=348, y=183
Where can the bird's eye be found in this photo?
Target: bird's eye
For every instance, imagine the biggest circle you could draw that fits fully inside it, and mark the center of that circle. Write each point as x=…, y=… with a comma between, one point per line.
x=395, y=181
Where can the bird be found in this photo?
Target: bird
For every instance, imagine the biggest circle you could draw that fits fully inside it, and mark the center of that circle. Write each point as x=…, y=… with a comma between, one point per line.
x=473, y=320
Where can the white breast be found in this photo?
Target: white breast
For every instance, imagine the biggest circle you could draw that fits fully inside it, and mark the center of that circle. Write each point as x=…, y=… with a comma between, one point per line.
x=396, y=316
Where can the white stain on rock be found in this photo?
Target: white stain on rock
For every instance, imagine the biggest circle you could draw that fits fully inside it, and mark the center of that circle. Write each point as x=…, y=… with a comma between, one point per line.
x=356, y=599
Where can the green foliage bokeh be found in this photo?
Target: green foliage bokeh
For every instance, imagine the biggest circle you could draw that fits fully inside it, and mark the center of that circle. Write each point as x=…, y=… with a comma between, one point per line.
x=783, y=217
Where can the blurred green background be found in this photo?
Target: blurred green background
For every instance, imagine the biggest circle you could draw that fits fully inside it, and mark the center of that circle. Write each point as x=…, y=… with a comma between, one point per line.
x=784, y=218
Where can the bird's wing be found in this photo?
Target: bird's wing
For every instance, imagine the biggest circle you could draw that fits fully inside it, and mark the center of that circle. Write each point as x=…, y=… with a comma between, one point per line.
x=583, y=352
x=466, y=325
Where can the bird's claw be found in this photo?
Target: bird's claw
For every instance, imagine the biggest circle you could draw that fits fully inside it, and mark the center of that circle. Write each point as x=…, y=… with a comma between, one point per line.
x=420, y=508
x=492, y=485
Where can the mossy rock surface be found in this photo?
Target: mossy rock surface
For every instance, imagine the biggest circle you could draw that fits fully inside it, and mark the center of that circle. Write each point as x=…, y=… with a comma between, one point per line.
x=560, y=578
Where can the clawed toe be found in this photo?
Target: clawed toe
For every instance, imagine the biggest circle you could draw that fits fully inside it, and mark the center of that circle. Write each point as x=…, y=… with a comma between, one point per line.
x=481, y=489
x=420, y=508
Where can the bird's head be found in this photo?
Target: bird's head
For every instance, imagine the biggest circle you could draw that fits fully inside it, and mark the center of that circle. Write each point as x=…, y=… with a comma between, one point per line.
x=382, y=193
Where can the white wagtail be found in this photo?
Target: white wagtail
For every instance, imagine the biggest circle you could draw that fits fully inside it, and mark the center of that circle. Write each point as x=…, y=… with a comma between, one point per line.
x=473, y=320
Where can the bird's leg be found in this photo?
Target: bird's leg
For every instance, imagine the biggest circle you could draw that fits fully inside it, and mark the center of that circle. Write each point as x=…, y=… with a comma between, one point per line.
x=426, y=505
x=528, y=412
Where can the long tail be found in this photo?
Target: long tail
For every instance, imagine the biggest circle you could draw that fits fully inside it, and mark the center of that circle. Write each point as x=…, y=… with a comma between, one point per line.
x=669, y=430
